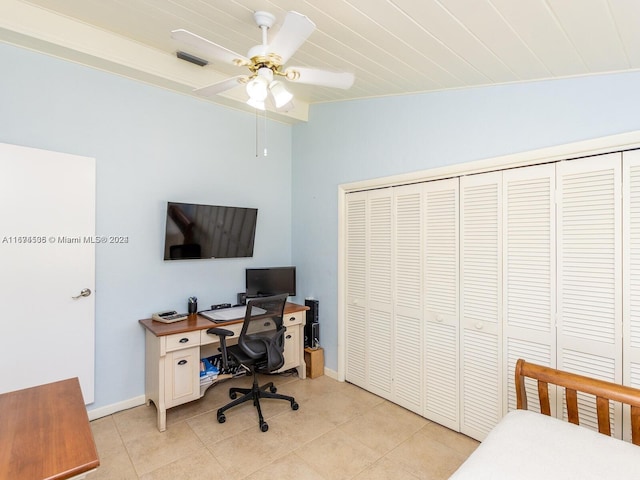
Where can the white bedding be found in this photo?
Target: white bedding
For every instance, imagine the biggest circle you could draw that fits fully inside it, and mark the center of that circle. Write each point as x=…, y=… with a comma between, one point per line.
x=528, y=445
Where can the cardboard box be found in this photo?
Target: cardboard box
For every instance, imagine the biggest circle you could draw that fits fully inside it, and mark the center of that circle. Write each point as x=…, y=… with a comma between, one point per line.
x=314, y=358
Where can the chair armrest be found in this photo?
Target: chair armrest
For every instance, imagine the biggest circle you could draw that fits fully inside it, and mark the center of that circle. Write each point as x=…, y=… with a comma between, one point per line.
x=221, y=332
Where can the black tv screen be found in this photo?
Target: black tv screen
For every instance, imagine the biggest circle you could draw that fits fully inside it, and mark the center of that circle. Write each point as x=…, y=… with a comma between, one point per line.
x=261, y=282
x=208, y=231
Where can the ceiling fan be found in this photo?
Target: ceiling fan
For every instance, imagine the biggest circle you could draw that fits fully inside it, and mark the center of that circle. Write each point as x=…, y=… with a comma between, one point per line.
x=266, y=62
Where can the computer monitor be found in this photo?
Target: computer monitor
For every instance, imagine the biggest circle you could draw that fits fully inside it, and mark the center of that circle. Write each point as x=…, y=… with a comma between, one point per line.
x=261, y=282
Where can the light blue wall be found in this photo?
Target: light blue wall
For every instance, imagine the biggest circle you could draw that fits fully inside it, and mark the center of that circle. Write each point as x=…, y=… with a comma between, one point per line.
x=358, y=140
x=151, y=146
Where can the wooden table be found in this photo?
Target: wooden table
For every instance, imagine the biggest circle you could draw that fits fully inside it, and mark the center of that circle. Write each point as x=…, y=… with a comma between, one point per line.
x=45, y=433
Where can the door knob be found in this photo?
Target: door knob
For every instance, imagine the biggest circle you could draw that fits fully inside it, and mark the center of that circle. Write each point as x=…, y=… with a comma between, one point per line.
x=85, y=292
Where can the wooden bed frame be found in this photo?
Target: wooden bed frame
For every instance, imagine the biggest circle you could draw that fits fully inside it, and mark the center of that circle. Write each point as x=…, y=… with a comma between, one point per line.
x=573, y=383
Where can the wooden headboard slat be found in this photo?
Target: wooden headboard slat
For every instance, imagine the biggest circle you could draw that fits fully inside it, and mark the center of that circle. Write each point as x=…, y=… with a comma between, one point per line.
x=635, y=425
x=604, y=425
x=572, y=406
x=543, y=395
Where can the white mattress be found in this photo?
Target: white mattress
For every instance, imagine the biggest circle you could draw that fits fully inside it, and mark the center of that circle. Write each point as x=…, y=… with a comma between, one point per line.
x=528, y=445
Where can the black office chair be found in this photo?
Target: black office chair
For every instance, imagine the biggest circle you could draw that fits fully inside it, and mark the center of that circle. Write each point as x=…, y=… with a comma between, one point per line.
x=260, y=349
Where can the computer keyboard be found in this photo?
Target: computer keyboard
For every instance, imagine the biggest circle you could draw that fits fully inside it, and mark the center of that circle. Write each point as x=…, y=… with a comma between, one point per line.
x=233, y=313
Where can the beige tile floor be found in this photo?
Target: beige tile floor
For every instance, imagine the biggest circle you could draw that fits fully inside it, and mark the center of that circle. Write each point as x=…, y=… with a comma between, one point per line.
x=339, y=432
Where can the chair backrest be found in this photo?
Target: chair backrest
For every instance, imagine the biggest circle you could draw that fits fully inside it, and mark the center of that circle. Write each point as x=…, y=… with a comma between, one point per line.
x=262, y=334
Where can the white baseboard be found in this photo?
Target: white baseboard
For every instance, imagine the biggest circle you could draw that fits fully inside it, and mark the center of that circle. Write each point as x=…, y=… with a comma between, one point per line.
x=331, y=373
x=115, y=407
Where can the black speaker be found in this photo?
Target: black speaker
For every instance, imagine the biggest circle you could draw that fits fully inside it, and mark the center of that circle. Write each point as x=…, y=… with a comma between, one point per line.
x=242, y=298
x=312, y=327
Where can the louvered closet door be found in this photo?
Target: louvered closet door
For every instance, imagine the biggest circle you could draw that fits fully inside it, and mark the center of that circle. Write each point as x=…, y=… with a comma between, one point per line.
x=379, y=335
x=480, y=309
x=590, y=274
x=356, y=303
x=440, y=293
x=408, y=371
x=631, y=282
x=529, y=274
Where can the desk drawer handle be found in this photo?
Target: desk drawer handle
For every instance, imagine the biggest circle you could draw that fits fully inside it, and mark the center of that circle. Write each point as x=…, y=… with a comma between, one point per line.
x=184, y=340
x=292, y=319
x=288, y=336
x=182, y=362
x=267, y=324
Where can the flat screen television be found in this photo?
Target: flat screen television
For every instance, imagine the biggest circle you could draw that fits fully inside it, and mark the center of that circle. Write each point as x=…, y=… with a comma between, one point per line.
x=208, y=231
x=262, y=282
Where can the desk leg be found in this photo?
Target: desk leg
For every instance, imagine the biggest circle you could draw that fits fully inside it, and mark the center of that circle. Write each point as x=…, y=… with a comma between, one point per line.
x=162, y=419
x=302, y=367
x=161, y=414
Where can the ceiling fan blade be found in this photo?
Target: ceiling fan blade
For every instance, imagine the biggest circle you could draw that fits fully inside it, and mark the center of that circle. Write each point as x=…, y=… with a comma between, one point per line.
x=219, y=87
x=294, y=32
x=324, y=78
x=208, y=48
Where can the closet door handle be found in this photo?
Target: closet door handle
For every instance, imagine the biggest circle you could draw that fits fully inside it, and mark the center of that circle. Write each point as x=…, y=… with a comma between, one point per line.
x=182, y=362
x=479, y=325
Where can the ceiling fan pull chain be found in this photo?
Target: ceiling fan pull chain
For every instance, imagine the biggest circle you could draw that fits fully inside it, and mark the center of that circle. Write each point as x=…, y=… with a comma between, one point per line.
x=265, y=133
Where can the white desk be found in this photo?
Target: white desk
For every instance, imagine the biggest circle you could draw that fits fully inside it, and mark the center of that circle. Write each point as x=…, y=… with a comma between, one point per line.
x=173, y=353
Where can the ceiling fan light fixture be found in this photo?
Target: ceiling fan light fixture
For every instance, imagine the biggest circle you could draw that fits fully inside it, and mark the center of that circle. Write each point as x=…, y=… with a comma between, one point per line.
x=257, y=89
x=281, y=96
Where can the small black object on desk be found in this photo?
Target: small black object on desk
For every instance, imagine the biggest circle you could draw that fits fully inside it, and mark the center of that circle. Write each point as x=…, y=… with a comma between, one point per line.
x=192, y=305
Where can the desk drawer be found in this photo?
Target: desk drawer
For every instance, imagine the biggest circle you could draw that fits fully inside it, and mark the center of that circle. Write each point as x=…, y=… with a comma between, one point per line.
x=293, y=318
x=182, y=340
x=206, y=338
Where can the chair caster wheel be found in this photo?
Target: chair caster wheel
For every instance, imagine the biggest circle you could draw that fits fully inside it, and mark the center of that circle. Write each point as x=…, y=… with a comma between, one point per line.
x=233, y=395
x=221, y=418
x=264, y=427
x=294, y=406
x=273, y=389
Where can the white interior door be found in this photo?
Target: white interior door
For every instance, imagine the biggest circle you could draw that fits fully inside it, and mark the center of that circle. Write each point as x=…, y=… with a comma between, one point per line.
x=631, y=279
x=481, y=303
x=529, y=275
x=379, y=283
x=47, y=213
x=407, y=338
x=356, y=305
x=441, y=300
x=589, y=334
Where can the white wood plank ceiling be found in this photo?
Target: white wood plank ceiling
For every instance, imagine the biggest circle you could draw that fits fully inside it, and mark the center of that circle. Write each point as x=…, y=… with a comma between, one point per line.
x=394, y=47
